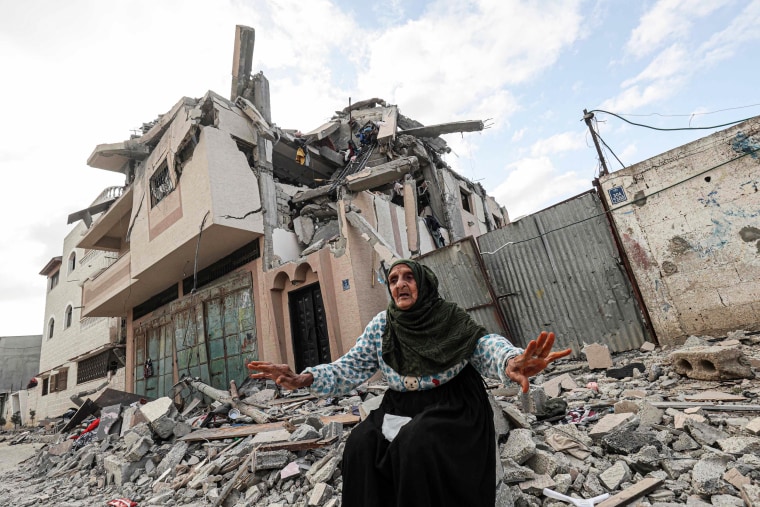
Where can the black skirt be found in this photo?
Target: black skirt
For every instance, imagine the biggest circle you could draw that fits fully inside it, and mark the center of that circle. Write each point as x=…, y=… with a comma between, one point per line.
x=445, y=456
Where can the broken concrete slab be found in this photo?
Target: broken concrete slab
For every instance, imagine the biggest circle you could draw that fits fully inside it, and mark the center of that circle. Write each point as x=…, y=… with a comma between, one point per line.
x=554, y=386
x=597, y=356
x=609, y=423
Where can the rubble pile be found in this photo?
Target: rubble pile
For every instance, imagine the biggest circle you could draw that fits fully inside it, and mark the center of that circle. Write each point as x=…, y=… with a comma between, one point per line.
x=644, y=426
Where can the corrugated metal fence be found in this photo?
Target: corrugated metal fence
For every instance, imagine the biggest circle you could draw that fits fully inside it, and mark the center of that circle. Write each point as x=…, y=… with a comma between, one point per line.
x=462, y=280
x=558, y=270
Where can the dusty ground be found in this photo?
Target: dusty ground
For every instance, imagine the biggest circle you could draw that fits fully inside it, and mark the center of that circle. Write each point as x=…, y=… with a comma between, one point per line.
x=12, y=455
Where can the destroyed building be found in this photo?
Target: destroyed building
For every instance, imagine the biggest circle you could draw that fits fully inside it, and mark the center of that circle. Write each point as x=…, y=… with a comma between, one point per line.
x=234, y=239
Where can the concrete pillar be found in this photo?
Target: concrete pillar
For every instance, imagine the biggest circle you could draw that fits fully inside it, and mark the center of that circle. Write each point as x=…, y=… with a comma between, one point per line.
x=410, y=215
x=260, y=97
x=242, y=60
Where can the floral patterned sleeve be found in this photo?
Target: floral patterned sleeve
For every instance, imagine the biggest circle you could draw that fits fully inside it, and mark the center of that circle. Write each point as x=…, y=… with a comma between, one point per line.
x=357, y=365
x=491, y=355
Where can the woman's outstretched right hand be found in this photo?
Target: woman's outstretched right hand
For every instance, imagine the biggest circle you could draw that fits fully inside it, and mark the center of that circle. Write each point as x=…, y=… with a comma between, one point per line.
x=281, y=374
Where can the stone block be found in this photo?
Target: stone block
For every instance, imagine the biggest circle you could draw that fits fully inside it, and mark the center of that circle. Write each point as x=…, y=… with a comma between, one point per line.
x=614, y=476
x=536, y=485
x=711, y=363
x=268, y=437
x=269, y=460
x=751, y=495
x=138, y=449
x=647, y=347
x=736, y=478
x=609, y=423
x=173, y=457
x=118, y=470
x=633, y=393
x=753, y=426
x=333, y=429
x=520, y=446
x=704, y=433
x=304, y=229
x=598, y=356
x=161, y=415
x=554, y=386
x=679, y=419
x=626, y=407
x=543, y=463
x=304, y=432
x=322, y=470
x=321, y=493
x=649, y=415
x=739, y=446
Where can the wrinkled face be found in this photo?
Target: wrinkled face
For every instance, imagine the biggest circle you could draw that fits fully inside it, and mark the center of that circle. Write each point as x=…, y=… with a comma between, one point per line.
x=403, y=286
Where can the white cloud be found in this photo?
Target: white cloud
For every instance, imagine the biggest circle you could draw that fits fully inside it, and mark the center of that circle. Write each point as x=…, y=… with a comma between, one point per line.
x=445, y=65
x=668, y=20
x=519, y=134
x=558, y=143
x=535, y=183
x=742, y=30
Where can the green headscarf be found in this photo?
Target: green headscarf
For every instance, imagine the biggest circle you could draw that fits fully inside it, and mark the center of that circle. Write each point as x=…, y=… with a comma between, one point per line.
x=431, y=336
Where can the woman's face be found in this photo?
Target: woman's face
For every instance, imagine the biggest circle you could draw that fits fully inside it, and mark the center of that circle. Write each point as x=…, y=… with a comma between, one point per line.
x=403, y=286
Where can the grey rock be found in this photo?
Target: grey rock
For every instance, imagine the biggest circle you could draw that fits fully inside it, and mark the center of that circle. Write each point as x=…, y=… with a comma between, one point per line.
x=520, y=446
x=615, y=475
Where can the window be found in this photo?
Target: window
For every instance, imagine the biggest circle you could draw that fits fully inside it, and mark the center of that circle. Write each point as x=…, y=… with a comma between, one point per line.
x=53, y=280
x=67, y=319
x=160, y=184
x=51, y=328
x=96, y=367
x=56, y=382
x=72, y=261
x=465, y=196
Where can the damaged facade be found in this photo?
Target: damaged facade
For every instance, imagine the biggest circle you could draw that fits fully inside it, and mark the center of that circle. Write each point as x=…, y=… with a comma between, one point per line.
x=234, y=239
x=79, y=354
x=688, y=222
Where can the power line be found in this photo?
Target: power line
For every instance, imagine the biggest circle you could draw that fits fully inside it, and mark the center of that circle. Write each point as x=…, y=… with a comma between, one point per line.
x=690, y=114
x=668, y=129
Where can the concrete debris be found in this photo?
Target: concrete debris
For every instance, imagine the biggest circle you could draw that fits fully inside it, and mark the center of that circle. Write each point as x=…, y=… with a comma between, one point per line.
x=671, y=440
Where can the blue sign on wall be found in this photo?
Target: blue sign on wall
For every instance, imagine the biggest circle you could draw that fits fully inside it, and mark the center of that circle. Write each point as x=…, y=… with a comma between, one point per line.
x=617, y=195
x=346, y=286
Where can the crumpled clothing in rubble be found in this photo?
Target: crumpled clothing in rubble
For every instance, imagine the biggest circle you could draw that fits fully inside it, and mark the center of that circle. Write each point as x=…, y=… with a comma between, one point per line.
x=581, y=416
x=566, y=444
x=83, y=440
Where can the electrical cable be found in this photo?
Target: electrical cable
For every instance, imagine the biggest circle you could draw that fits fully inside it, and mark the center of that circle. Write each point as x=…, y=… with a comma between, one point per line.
x=197, y=249
x=608, y=147
x=691, y=114
x=630, y=203
x=667, y=129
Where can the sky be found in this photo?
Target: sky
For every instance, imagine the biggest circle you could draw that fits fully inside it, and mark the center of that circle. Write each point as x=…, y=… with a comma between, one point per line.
x=81, y=73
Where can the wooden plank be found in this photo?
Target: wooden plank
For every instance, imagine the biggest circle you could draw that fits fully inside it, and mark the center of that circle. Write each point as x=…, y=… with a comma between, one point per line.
x=705, y=406
x=231, y=431
x=629, y=494
x=347, y=419
x=714, y=396
x=301, y=445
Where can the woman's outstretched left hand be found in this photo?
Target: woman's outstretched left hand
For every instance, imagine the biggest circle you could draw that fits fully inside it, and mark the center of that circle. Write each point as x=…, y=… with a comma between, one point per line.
x=536, y=357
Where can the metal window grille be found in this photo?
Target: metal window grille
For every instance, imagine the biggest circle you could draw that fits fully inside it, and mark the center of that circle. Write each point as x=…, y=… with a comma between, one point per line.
x=92, y=368
x=161, y=184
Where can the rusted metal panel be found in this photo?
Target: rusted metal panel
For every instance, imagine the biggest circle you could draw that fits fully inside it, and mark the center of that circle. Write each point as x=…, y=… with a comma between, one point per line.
x=462, y=280
x=558, y=270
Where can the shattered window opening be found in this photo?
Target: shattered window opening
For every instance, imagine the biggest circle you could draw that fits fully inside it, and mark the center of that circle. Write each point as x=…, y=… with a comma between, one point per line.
x=247, y=149
x=184, y=154
x=67, y=319
x=51, y=327
x=161, y=184
x=72, y=261
x=45, y=384
x=465, y=196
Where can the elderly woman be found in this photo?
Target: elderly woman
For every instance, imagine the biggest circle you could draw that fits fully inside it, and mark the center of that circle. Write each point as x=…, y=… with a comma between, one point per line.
x=432, y=440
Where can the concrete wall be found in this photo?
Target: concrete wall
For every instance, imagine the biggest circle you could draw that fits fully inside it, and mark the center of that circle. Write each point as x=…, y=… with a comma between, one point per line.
x=19, y=360
x=689, y=220
x=81, y=337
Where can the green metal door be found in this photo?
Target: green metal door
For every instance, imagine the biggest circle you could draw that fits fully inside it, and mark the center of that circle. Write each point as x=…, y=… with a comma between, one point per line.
x=231, y=334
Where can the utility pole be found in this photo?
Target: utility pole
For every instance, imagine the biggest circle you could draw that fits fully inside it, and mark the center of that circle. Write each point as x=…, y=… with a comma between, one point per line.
x=587, y=118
